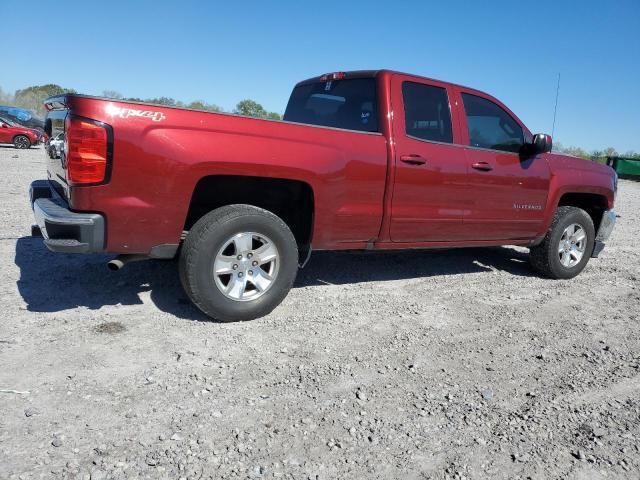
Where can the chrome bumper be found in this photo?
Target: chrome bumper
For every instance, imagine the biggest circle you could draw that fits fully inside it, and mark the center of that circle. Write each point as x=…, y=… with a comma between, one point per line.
x=604, y=231
x=64, y=230
x=606, y=225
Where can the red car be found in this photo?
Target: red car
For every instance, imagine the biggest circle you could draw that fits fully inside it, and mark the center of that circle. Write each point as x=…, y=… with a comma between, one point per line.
x=363, y=160
x=19, y=136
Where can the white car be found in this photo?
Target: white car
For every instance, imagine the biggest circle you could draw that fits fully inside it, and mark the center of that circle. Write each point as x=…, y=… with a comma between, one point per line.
x=55, y=146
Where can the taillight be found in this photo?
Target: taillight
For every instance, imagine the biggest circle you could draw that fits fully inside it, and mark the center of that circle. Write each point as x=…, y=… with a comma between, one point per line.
x=87, y=151
x=333, y=76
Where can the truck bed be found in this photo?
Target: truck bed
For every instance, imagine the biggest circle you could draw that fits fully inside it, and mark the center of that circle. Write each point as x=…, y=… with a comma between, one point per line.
x=172, y=149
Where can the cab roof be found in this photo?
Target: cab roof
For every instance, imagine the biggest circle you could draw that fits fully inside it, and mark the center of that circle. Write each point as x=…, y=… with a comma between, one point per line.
x=375, y=73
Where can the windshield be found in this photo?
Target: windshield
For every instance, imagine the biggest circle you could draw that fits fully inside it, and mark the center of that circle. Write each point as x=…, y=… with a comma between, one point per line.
x=350, y=104
x=8, y=122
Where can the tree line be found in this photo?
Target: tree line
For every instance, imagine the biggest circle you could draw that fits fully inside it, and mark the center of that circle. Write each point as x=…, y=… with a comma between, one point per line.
x=594, y=155
x=32, y=98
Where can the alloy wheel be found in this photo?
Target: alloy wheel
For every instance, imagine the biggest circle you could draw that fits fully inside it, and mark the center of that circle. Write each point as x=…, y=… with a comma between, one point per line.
x=572, y=245
x=246, y=266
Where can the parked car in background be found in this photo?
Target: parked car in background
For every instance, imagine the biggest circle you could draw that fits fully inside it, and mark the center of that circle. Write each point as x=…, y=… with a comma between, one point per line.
x=363, y=160
x=19, y=136
x=54, y=146
x=22, y=117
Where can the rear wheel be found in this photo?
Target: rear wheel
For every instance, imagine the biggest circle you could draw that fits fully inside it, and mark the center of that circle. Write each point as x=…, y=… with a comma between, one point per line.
x=21, y=141
x=238, y=262
x=567, y=247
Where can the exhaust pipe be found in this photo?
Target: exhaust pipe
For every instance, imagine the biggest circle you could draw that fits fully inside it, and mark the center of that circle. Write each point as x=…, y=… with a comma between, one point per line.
x=121, y=260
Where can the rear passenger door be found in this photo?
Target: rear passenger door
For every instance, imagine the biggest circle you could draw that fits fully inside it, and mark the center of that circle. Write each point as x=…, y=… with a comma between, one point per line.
x=430, y=169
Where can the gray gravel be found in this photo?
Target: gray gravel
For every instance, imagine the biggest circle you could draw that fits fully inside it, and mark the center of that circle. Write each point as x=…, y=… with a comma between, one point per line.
x=449, y=364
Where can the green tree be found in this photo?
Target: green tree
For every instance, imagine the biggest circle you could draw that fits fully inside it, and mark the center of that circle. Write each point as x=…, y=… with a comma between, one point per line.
x=610, y=152
x=251, y=108
x=32, y=98
x=163, y=101
x=202, y=105
x=112, y=94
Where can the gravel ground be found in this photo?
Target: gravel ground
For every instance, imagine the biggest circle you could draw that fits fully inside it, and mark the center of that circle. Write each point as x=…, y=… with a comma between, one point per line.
x=449, y=364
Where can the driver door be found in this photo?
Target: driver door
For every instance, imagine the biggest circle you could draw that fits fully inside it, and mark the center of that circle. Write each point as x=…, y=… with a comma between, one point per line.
x=508, y=191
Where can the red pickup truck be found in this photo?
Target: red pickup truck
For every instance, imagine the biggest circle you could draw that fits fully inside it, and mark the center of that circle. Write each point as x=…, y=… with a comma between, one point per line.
x=362, y=160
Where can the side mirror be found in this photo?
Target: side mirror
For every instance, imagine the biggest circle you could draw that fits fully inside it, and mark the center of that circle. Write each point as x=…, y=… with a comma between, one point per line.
x=542, y=143
x=4, y=125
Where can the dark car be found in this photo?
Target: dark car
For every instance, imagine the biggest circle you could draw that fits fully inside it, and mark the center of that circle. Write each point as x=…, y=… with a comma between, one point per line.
x=22, y=117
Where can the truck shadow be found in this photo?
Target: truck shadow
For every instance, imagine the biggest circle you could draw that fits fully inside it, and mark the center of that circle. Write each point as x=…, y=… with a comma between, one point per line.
x=343, y=267
x=52, y=282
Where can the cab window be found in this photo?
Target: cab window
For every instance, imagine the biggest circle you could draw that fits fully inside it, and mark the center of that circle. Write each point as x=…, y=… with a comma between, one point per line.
x=490, y=126
x=426, y=112
x=350, y=104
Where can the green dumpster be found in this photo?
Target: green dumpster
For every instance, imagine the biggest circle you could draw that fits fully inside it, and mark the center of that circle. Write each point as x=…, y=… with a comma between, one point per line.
x=627, y=167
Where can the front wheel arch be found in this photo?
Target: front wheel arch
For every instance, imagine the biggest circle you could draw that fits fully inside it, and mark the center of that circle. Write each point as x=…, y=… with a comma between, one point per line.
x=545, y=257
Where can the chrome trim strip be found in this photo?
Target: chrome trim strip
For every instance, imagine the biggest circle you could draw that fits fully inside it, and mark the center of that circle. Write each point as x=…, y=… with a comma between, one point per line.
x=433, y=141
x=461, y=145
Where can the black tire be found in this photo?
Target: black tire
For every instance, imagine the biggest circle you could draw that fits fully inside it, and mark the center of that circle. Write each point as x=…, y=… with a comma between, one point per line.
x=209, y=235
x=21, y=142
x=545, y=257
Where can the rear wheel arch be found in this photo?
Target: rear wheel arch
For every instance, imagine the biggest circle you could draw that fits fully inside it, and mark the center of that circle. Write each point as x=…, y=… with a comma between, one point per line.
x=238, y=263
x=291, y=200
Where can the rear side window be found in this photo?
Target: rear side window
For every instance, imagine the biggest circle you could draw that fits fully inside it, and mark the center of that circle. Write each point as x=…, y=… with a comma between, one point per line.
x=490, y=126
x=426, y=112
x=348, y=103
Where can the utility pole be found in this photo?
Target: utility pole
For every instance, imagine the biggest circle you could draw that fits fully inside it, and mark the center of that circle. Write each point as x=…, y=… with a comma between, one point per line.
x=555, y=109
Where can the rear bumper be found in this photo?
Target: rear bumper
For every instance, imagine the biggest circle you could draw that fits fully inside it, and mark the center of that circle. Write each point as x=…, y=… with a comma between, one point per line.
x=63, y=230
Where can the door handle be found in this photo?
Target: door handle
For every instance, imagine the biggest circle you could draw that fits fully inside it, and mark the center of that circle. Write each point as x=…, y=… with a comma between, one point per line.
x=482, y=166
x=413, y=159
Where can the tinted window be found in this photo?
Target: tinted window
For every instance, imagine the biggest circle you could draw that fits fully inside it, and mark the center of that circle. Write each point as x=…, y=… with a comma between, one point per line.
x=8, y=122
x=426, y=112
x=349, y=103
x=490, y=126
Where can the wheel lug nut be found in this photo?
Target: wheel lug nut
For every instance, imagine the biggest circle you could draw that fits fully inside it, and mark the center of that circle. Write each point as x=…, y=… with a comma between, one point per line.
x=254, y=263
x=235, y=266
x=239, y=257
x=250, y=272
x=239, y=274
x=250, y=255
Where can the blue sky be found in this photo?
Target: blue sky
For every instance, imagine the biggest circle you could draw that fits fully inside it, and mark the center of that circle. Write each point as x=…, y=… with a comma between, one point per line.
x=222, y=52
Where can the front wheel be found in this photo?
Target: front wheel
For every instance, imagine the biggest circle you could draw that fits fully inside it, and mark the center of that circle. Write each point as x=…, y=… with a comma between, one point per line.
x=238, y=262
x=568, y=245
x=21, y=141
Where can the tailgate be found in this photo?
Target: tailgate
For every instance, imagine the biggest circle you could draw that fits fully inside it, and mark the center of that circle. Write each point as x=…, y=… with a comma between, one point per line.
x=56, y=167
x=87, y=151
